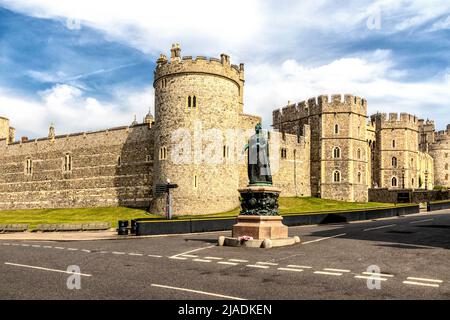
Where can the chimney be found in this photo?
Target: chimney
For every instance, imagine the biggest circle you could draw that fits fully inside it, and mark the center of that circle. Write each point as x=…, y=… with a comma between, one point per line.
x=24, y=139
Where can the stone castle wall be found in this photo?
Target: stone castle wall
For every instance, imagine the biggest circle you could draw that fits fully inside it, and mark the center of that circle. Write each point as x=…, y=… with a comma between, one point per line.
x=440, y=151
x=95, y=179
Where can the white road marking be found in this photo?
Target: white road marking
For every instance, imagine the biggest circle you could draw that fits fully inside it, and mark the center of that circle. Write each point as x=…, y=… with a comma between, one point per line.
x=238, y=260
x=374, y=277
x=36, y=246
x=290, y=269
x=45, y=269
x=85, y=250
x=136, y=254
x=195, y=250
x=47, y=247
x=328, y=273
x=25, y=245
x=420, y=221
x=228, y=263
x=382, y=227
x=337, y=270
x=213, y=258
x=118, y=253
x=154, y=256
x=6, y=244
x=59, y=248
x=426, y=280
x=103, y=252
x=326, y=238
x=379, y=274
x=257, y=266
x=421, y=284
x=268, y=263
x=301, y=267
x=178, y=258
x=16, y=244
x=201, y=260
x=199, y=292
x=189, y=255
x=72, y=249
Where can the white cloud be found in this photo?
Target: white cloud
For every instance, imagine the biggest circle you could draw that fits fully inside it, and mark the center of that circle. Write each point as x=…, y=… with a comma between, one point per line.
x=270, y=86
x=72, y=111
x=442, y=24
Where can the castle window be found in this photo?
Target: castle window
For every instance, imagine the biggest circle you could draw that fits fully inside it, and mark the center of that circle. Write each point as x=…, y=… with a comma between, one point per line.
x=189, y=102
x=283, y=153
x=358, y=154
x=337, y=176
x=67, y=163
x=412, y=182
x=336, y=152
x=394, y=182
x=394, y=162
x=119, y=161
x=336, y=129
x=359, y=177
x=29, y=167
x=195, y=182
x=446, y=177
x=393, y=143
x=163, y=153
x=226, y=152
x=446, y=166
x=194, y=102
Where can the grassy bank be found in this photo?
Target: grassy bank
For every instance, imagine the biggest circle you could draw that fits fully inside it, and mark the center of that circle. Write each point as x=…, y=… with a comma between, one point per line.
x=113, y=215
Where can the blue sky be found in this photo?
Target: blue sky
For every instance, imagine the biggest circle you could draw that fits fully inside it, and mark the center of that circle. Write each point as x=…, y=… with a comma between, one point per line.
x=89, y=64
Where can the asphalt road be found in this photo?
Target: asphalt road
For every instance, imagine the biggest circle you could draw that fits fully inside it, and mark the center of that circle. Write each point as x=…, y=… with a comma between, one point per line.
x=411, y=255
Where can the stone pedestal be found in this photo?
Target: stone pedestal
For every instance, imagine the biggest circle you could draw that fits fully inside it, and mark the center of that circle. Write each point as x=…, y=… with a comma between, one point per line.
x=260, y=220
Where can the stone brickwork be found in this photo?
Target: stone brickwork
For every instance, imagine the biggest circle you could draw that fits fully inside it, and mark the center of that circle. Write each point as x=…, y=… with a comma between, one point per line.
x=440, y=151
x=339, y=155
x=398, y=162
x=35, y=174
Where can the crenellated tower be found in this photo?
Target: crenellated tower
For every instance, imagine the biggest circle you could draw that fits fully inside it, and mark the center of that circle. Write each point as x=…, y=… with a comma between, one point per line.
x=440, y=151
x=339, y=148
x=197, y=101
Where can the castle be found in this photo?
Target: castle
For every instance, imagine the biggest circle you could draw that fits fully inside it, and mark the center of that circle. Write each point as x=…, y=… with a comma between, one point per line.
x=322, y=147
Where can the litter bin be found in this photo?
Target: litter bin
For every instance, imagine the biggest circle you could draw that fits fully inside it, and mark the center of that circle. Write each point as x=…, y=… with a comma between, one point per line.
x=123, y=228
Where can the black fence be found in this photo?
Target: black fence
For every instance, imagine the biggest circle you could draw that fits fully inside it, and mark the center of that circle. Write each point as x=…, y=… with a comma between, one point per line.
x=441, y=205
x=157, y=227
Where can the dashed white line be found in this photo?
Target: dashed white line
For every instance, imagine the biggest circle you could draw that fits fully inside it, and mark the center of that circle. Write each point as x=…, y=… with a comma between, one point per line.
x=326, y=238
x=85, y=250
x=267, y=263
x=301, y=267
x=420, y=221
x=374, y=277
x=257, y=266
x=36, y=246
x=201, y=260
x=103, y=252
x=379, y=274
x=421, y=284
x=136, y=254
x=328, y=273
x=45, y=269
x=188, y=255
x=290, y=269
x=47, y=247
x=6, y=244
x=155, y=256
x=25, y=245
x=178, y=258
x=213, y=258
x=59, y=248
x=16, y=244
x=198, y=292
x=423, y=279
x=118, y=253
x=238, y=260
x=72, y=249
x=228, y=263
x=337, y=270
x=382, y=227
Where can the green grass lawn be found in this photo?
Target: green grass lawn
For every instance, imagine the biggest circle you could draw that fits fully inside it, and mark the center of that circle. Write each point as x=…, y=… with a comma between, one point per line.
x=113, y=215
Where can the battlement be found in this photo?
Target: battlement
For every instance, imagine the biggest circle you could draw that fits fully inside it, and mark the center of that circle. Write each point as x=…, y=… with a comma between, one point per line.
x=184, y=65
x=322, y=104
x=395, y=121
x=443, y=135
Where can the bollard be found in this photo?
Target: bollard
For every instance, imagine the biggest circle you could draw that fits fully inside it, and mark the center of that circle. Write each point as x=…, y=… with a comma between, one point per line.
x=123, y=228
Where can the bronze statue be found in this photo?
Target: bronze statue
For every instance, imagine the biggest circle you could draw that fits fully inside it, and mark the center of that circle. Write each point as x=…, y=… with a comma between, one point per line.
x=258, y=158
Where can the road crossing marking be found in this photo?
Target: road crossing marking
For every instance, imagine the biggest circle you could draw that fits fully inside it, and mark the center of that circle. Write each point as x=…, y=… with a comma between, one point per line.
x=326, y=238
x=381, y=227
x=290, y=269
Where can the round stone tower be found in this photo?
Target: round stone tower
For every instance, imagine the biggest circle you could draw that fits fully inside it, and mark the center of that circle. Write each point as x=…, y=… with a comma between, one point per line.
x=440, y=151
x=197, y=107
